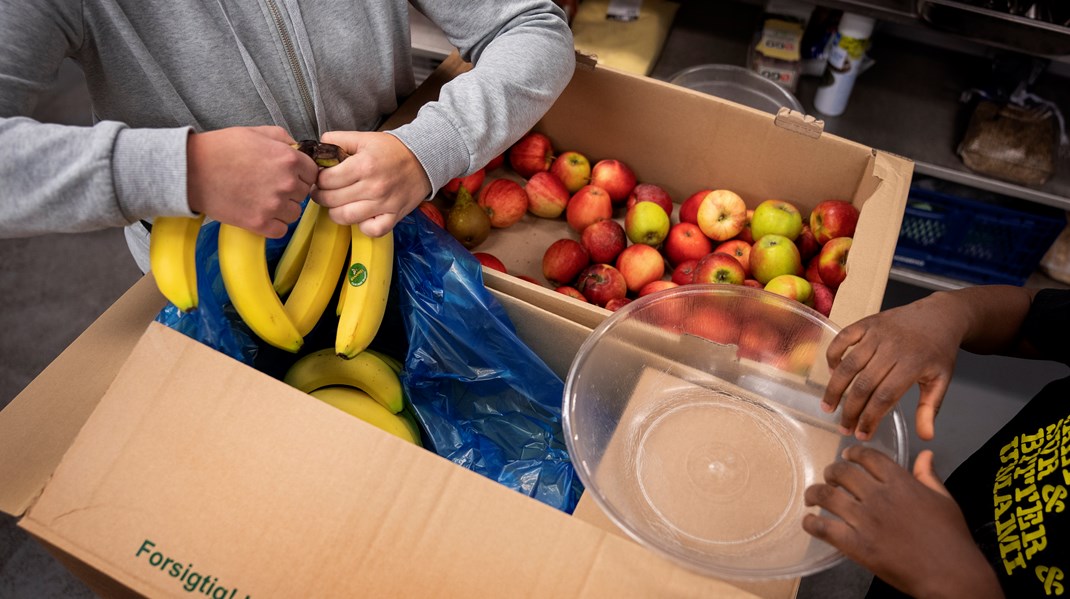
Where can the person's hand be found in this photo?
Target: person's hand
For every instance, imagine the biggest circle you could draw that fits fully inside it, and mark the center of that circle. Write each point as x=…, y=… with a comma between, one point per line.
x=905, y=529
x=376, y=186
x=877, y=359
x=250, y=177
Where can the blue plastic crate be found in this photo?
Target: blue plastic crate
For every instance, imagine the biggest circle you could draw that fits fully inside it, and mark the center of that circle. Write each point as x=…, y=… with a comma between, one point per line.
x=974, y=241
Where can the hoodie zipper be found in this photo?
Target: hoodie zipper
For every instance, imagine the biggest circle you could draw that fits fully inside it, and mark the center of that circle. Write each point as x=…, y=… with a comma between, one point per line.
x=295, y=65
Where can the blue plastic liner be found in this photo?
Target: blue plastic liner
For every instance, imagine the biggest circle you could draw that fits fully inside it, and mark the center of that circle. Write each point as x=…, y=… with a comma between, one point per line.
x=484, y=400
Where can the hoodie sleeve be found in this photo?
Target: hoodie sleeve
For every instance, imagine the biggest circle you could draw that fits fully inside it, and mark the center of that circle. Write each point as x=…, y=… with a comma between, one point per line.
x=523, y=57
x=63, y=178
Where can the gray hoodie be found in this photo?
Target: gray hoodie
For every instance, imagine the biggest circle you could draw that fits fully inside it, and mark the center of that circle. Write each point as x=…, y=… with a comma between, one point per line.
x=157, y=69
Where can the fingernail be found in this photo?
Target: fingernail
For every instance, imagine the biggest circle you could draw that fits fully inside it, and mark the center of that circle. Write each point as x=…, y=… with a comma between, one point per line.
x=844, y=430
x=862, y=435
x=826, y=406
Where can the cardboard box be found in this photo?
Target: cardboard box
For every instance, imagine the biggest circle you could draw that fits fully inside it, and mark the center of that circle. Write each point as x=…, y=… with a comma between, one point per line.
x=148, y=463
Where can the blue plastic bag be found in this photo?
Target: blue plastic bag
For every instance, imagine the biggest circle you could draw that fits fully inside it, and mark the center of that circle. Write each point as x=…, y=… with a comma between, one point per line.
x=486, y=401
x=483, y=399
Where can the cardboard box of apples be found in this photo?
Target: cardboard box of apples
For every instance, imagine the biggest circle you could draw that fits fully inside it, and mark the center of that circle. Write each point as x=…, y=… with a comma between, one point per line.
x=621, y=238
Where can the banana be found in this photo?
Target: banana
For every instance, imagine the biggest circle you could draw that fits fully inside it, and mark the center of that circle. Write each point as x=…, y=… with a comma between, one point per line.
x=342, y=293
x=358, y=403
x=172, y=258
x=364, y=371
x=315, y=285
x=391, y=361
x=293, y=257
x=371, y=266
x=410, y=423
x=245, y=276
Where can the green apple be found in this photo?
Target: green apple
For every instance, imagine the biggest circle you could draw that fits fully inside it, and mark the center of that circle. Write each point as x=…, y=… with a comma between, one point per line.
x=772, y=256
x=646, y=223
x=776, y=217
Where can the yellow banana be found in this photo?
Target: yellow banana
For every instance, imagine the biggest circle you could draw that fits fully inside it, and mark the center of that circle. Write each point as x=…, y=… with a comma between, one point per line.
x=364, y=371
x=391, y=361
x=319, y=275
x=358, y=403
x=342, y=294
x=172, y=258
x=371, y=266
x=293, y=257
x=410, y=423
x=243, y=264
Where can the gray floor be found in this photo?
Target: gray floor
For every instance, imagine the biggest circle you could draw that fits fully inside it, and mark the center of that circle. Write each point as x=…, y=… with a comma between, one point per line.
x=58, y=284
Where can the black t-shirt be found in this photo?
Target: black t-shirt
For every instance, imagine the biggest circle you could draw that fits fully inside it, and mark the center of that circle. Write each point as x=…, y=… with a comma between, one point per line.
x=1015, y=490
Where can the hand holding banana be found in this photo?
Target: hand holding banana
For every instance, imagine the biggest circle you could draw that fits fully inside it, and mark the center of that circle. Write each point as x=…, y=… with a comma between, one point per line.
x=307, y=273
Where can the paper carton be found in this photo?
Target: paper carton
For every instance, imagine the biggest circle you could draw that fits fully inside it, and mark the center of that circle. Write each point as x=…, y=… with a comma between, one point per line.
x=150, y=464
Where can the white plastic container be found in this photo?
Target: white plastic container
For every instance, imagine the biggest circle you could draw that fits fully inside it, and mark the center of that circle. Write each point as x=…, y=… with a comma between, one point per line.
x=846, y=55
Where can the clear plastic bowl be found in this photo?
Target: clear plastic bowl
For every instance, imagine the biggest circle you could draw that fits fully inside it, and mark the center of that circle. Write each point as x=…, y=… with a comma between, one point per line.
x=737, y=84
x=692, y=417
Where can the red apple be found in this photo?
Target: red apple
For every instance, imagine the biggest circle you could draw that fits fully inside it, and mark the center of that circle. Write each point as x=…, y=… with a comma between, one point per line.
x=792, y=287
x=572, y=169
x=604, y=240
x=718, y=267
x=832, y=261
x=811, y=273
x=640, y=264
x=490, y=261
x=772, y=256
x=684, y=273
x=547, y=196
x=571, y=292
x=615, y=177
x=588, y=205
x=823, y=298
x=531, y=154
x=684, y=242
x=648, y=192
x=432, y=212
x=600, y=283
x=656, y=286
x=646, y=223
x=776, y=217
x=617, y=303
x=471, y=182
x=807, y=243
x=753, y=283
x=738, y=248
x=746, y=234
x=528, y=279
x=760, y=341
x=495, y=162
x=714, y=323
x=504, y=201
x=833, y=218
x=722, y=215
x=563, y=260
x=689, y=208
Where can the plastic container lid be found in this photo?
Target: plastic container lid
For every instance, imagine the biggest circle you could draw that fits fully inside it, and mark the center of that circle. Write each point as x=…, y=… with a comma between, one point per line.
x=856, y=26
x=693, y=418
x=737, y=84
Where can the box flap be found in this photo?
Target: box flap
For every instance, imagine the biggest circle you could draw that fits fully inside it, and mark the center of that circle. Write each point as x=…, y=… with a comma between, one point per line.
x=38, y=426
x=233, y=476
x=882, y=197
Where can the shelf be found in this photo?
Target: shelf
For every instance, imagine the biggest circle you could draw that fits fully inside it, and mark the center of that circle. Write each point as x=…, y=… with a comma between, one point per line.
x=908, y=103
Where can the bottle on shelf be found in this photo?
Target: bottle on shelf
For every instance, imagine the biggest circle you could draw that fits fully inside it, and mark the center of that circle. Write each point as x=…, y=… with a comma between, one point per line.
x=846, y=60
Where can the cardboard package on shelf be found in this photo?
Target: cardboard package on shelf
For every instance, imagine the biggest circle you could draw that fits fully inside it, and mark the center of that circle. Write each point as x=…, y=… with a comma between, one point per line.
x=142, y=459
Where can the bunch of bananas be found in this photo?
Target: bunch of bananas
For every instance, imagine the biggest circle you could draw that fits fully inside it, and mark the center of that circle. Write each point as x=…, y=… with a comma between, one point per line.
x=306, y=274
x=366, y=386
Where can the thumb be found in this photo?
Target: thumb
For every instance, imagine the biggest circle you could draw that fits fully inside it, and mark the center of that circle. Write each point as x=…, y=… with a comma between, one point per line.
x=350, y=141
x=923, y=471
